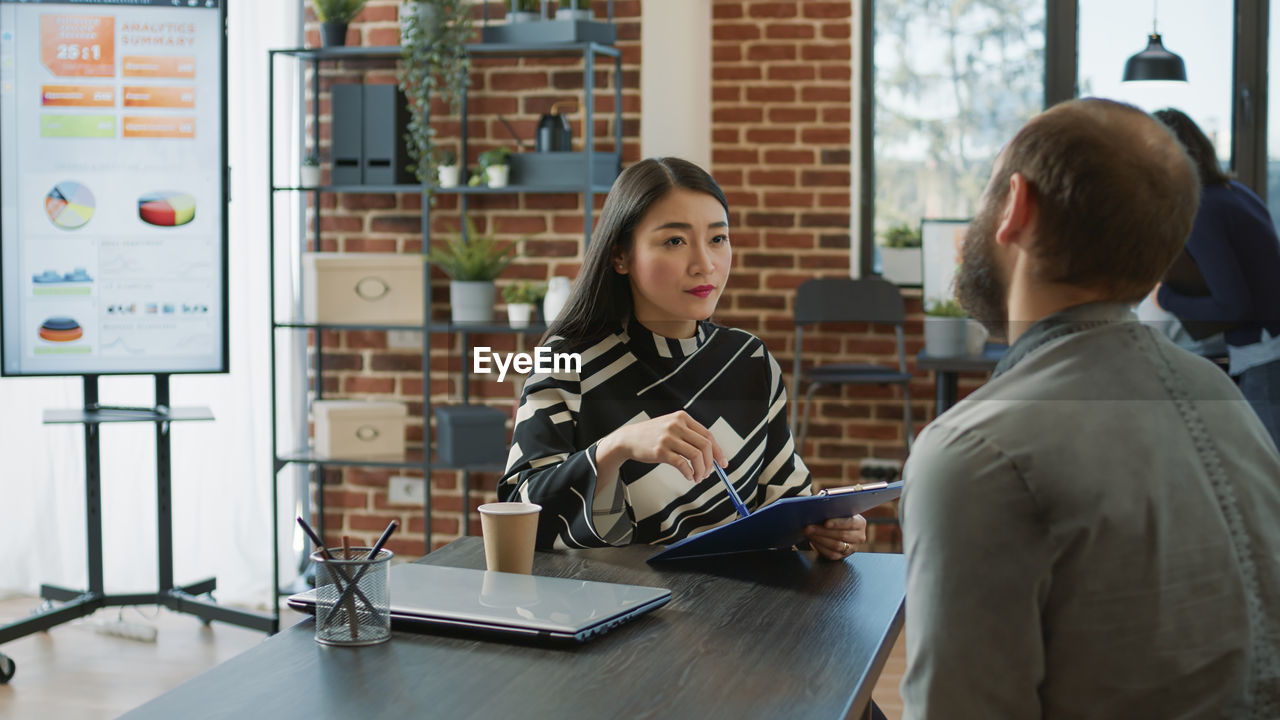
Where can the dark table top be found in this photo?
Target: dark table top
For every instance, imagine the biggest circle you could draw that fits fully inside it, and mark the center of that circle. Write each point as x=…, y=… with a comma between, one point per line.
x=760, y=635
x=986, y=362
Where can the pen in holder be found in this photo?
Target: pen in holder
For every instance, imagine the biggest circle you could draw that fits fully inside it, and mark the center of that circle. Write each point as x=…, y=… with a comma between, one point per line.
x=353, y=605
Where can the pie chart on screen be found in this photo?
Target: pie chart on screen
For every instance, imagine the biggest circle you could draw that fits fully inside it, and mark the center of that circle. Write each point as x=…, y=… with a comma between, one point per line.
x=167, y=209
x=69, y=205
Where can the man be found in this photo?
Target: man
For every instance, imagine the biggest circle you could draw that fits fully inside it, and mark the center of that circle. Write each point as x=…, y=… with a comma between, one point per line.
x=1096, y=532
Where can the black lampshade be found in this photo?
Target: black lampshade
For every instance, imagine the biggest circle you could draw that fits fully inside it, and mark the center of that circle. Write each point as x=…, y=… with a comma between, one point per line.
x=1155, y=63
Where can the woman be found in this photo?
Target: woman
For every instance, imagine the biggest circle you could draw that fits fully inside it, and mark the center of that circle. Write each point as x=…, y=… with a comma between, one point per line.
x=1233, y=242
x=625, y=450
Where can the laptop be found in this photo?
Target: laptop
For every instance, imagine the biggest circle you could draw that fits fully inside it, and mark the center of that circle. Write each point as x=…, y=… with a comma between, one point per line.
x=528, y=606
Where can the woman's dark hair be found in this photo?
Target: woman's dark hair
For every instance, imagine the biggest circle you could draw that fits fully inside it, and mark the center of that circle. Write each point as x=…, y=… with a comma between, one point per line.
x=601, y=297
x=1197, y=144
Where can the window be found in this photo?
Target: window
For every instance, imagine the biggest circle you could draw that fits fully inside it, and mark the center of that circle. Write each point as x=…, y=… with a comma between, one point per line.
x=1201, y=31
x=953, y=83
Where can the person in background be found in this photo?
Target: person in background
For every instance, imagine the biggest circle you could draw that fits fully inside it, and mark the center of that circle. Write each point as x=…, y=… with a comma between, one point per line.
x=1095, y=533
x=623, y=451
x=1233, y=242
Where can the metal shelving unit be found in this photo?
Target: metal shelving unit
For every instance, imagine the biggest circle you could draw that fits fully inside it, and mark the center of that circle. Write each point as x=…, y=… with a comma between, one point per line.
x=589, y=188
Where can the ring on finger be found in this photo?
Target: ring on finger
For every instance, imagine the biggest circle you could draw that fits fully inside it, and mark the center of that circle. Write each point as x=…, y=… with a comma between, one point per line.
x=844, y=548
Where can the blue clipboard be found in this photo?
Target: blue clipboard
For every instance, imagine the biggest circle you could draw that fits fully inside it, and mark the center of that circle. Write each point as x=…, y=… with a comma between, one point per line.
x=780, y=524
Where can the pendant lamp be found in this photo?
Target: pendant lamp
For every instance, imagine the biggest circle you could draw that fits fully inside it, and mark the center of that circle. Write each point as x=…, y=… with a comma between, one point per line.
x=1155, y=63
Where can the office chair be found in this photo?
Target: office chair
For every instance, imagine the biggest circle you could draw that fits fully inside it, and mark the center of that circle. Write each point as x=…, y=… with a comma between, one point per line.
x=870, y=300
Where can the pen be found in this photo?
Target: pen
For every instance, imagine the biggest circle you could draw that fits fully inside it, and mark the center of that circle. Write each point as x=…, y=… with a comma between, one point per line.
x=733, y=494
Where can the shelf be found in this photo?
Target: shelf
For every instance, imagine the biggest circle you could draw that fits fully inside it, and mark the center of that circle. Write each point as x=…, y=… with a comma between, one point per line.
x=410, y=460
x=459, y=190
x=118, y=415
x=385, y=52
x=434, y=326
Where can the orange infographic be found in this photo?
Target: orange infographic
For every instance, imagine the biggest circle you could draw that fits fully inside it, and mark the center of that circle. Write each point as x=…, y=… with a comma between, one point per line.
x=77, y=95
x=158, y=96
x=158, y=66
x=159, y=127
x=78, y=45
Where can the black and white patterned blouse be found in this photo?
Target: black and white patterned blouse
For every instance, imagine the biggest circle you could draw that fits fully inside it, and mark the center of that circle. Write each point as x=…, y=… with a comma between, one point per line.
x=724, y=378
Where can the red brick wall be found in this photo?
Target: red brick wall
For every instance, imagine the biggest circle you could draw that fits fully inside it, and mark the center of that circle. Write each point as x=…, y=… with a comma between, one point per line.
x=781, y=85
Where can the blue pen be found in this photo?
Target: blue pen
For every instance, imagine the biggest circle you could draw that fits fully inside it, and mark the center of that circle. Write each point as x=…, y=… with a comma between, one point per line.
x=733, y=494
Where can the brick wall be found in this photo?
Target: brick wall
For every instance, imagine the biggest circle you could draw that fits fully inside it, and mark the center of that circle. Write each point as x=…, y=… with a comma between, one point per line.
x=549, y=228
x=780, y=149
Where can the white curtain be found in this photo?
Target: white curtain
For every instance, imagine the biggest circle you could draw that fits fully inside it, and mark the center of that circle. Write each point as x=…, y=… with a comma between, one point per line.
x=221, y=470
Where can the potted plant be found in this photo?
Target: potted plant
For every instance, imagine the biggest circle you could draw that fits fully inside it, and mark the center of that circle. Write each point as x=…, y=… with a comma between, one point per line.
x=945, y=329
x=900, y=260
x=309, y=173
x=433, y=37
x=447, y=169
x=521, y=298
x=574, y=10
x=524, y=10
x=472, y=263
x=494, y=165
x=334, y=16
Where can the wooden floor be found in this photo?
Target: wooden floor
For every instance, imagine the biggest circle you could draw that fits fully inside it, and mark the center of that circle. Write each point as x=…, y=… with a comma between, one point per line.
x=75, y=673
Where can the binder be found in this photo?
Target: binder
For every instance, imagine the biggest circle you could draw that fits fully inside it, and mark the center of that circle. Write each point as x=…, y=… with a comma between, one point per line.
x=346, y=101
x=385, y=158
x=781, y=523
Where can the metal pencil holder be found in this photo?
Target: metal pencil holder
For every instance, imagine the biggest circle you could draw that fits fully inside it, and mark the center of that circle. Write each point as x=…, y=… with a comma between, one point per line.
x=353, y=603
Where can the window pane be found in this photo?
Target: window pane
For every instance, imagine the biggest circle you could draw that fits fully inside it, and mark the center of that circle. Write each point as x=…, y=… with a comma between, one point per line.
x=954, y=81
x=1198, y=30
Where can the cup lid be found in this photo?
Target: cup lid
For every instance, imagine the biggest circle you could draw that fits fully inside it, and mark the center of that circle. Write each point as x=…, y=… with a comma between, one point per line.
x=510, y=508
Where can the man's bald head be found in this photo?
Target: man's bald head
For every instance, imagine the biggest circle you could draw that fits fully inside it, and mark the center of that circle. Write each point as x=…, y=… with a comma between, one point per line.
x=1115, y=193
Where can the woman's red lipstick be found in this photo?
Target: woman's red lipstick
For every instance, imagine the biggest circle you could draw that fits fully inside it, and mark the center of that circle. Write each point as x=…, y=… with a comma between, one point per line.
x=702, y=291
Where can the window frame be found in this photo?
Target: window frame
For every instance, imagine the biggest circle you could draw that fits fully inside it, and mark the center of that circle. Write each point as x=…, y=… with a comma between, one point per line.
x=1248, y=111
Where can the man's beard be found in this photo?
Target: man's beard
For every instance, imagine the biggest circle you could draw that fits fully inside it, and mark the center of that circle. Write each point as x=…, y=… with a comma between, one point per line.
x=979, y=287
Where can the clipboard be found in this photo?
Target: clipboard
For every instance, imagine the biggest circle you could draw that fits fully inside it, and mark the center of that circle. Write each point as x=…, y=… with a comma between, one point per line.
x=780, y=524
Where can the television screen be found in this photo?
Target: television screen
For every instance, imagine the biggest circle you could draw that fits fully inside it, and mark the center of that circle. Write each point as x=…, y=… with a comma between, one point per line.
x=940, y=242
x=112, y=187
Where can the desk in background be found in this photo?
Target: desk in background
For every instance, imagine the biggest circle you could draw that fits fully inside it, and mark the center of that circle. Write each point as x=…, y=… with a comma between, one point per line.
x=761, y=635
x=947, y=371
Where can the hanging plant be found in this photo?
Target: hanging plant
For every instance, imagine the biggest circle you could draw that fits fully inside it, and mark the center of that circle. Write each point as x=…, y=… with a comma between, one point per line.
x=434, y=36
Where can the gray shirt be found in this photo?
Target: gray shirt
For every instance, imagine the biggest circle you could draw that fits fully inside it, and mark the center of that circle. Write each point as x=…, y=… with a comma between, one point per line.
x=1095, y=533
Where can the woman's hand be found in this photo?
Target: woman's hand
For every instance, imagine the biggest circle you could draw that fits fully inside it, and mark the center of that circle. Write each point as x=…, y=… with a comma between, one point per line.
x=675, y=439
x=838, y=538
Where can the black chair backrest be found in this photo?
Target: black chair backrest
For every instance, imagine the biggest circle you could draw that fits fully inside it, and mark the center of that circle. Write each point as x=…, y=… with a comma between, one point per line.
x=838, y=299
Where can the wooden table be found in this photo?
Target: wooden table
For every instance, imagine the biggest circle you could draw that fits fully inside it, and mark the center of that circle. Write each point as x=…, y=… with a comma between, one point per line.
x=762, y=635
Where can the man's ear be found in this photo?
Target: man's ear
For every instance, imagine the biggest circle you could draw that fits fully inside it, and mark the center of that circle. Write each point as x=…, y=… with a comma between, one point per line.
x=1019, y=212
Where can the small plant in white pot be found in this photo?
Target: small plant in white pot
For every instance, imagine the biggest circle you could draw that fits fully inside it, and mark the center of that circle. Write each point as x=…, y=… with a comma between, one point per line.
x=574, y=10
x=521, y=298
x=447, y=169
x=900, y=260
x=309, y=173
x=472, y=264
x=493, y=163
x=945, y=329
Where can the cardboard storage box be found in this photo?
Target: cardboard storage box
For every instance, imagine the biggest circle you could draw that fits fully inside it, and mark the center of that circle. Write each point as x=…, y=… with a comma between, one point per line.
x=362, y=288
x=471, y=435
x=359, y=428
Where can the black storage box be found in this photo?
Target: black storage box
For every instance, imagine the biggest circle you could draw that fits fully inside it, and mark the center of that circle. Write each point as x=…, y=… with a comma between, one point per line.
x=550, y=31
x=471, y=435
x=561, y=169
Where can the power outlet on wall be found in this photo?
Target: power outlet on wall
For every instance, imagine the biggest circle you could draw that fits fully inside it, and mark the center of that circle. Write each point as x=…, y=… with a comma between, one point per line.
x=405, y=490
x=880, y=469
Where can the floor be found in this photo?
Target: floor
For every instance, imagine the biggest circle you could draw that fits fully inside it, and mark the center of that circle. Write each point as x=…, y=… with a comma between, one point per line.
x=75, y=672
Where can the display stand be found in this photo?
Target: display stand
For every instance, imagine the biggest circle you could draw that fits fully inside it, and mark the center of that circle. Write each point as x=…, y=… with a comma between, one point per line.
x=74, y=604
